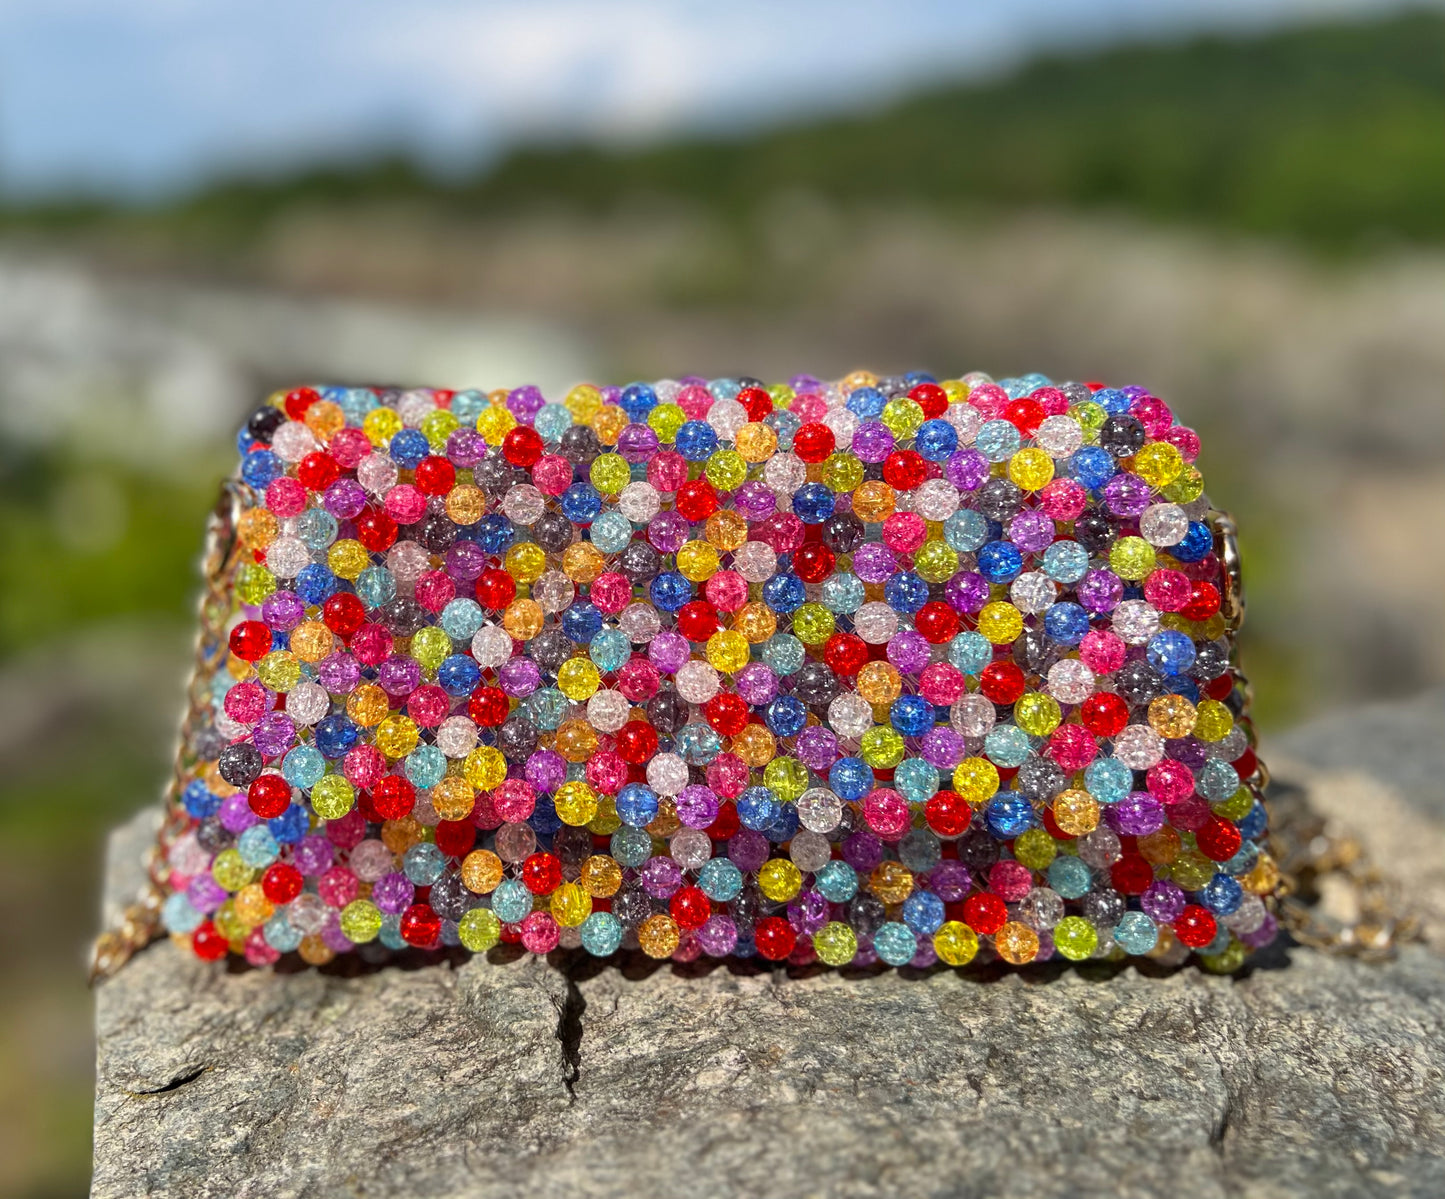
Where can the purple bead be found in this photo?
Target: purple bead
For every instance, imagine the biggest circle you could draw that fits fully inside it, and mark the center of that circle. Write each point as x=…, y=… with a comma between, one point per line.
x=718, y=936
x=1263, y=935
x=697, y=806
x=235, y=813
x=967, y=591
x=806, y=385
x=610, y=393
x=874, y=562
x=465, y=561
x=668, y=531
x=660, y=877
x=966, y=470
x=747, y=849
x=754, y=501
x=637, y=443
x=205, y=893
x=1134, y=391
x=339, y=673
x=808, y=912
x=466, y=447
x=1136, y=815
x=525, y=402
x=393, y=893
x=1046, y=946
x=909, y=651
x=863, y=851
x=1032, y=531
x=950, y=880
x=345, y=498
x=866, y=956
x=283, y=611
x=333, y=937
x=816, y=748
x=1163, y=901
x=872, y=441
x=669, y=652
x=519, y=677
x=756, y=683
x=1127, y=495
x=399, y=675
x=274, y=734
x=1188, y=751
x=926, y=956
x=313, y=854
x=1100, y=591
x=546, y=770
x=942, y=747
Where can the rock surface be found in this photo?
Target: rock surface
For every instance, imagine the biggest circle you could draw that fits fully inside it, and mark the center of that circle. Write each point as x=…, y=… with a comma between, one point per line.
x=1311, y=1075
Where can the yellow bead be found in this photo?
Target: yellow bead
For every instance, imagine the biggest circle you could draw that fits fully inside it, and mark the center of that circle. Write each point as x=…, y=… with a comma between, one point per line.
x=347, y=559
x=431, y=647
x=1016, y=943
x=584, y=402
x=882, y=747
x=1236, y=807
x=606, y=822
x=396, y=736
x=368, y=705
x=380, y=425
x=479, y=929
x=494, y=423
x=891, y=881
x=755, y=621
x=576, y=802
x=485, y=768
x=726, y=470
x=570, y=905
x=1172, y=716
x=610, y=473
x=836, y=944
x=779, y=880
x=1076, y=812
x=874, y=501
x=1132, y=558
x=1159, y=463
x=453, y=798
x=658, y=936
x=903, y=417
x=1192, y=870
x=813, y=624
x=526, y=561
x=333, y=796
x=1037, y=714
x=466, y=504
x=1035, y=849
x=976, y=780
x=523, y=619
x=230, y=870
x=361, y=921
x=1213, y=721
x=582, y=562
x=665, y=420
x=787, y=778
x=1031, y=468
x=254, y=583
x=842, y=471
x=728, y=651
x=1264, y=878
x=936, y=561
x=436, y=427
x=481, y=871
x=578, y=679
x=230, y=926
x=600, y=876
x=880, y=683
x=1000, y=622
x=1187, y=488
x=756, y=442
x=279, y=670
x=726, y=530
x=955, y=943
x=697, y=561
x=576, y=740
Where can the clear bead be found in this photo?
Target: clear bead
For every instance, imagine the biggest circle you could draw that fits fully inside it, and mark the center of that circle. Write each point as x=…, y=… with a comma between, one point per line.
x=1033, y=592
x=1163, y=524
x=457, y=736
x=697, y=682
x=639, y=502
x=523, y=504
x=876, y=623
x=850, y=715
x=640, y=622
x=607, y=711
x=755, y=561
x=667, y=774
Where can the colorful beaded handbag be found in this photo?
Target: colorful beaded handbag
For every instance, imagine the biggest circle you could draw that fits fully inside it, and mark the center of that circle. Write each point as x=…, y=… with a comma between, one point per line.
x=887, y=670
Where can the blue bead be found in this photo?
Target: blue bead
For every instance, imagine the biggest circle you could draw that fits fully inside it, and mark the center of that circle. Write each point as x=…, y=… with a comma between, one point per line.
x=409, y=447
x=637, y=401
x=1171, y=652
x=1092, y=466
x=303, y=767
x=315, y=584
x=895, y=943
x=850, y=778
x=916, y=780
x=199, y=802
x=1222, y=895
x=1216, y=781
x=601, y=934
x=784, y=593
x=1113, y=400
x=544, y=819
x=914, y=378
x=905, y=592
x=260, y=468
x=1196, y=545
x=1008, y=814
x=290, y=826
x=786, y=425
x=459, y=674
x=814, y=503
x=630, y=847
x=1255, y=822
x=1066, y=562
x=1108, y=780
x=582, y=621
x=696, y=441
x=966, y=530
x=720, y=880
x=1069, y=877
x=784, y=826
x=425, y=767
x=998, y=440
x=375, y=586
x=1007, y=745
x=670, y=591
x=757, y=808
x=423, y=863
x=611, y=531
x=785, y=716
x=280, y=934
x=970, y=652
x=335, y=735
x=637, y=805
x=1135, y=933
x=867, y=402
x=935, y=440
x=609, y=650
x=581, y=503
x=923, y=912
x=495, y=533
x=1000, y=561
x=511, y=901
x=837, y=882
x=1066, y=623
x=178, y=916
x=911, y=715
x=1182, y=685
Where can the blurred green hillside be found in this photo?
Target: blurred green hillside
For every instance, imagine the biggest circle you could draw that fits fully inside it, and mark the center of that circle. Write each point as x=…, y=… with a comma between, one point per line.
x=1333, y=136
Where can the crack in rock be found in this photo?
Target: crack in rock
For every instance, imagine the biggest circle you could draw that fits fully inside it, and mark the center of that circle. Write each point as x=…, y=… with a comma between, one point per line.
x=175, y=1084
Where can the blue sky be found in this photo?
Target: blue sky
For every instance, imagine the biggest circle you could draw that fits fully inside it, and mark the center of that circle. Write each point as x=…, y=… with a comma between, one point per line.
x=146, y=96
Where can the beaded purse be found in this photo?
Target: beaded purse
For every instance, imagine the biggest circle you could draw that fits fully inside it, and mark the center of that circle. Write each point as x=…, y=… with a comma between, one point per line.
x=883, y=670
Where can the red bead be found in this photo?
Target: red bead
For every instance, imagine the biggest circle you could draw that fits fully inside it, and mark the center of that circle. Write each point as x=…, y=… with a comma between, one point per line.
x=697, y=620
x=376, y=530
x=208, y=943
x=696, y=500
x=1218, y=840
x=420, y=926
x=1195, y=926
x=937, y=622
x=931, y=398
x=774, y=938
x=455, y=838
x=269, y=795
x=758, y=403
x=905, y=469
x=813, y=562
x=814, y=442
x=1051, y=826
x=542, y=873
x=1203, y=602
x=495, y=588
x=1246, y=764
x=690, y=907
x=985, y=912
x=393, y=797
x=436, y=476
x=488, y=706
x=636, y=742
x=726, y=824
x=1220, y=688
x=1131, y=874
x=343, y=613
x=282, y=882
x=317, y=471
x=727, y=712
x=1104, y=714
x=522, y=446
x=298, y=401
x=1002, y=682
x=845, y=654
x=948, y=813
x=251, y=641
x=1026, y=415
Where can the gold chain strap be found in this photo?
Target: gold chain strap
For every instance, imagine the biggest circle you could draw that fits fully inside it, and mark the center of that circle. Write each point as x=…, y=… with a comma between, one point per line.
x=140, y=921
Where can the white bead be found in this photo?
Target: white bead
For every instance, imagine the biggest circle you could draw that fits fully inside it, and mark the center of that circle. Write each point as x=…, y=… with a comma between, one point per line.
x=286, y=557
x=306, y=703
x=756, y=561
x=640, y=622
x=1139, y=747
x=810, y=851
x=492, y=646
x=784, y=474
x=639, y=502
x=936, y=499
x=457, y=736
x=607, y=711
x=697, y=682
x=377, y=473
x=554, y=591
x=1033, y=592
x=690, y=848
x=292, y=441
x=875, y=623
x=1059, y=435
x=819, y=810
x=667, y=774
x=973, y=716
x=523, y=504
x=727, y=417
x=1070, y=681
x=850, y=715
x=1163, y=524
x=1135, y=621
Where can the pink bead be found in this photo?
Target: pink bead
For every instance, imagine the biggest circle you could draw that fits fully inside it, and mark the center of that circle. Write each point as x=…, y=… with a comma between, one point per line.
x=405, y=504
x=1167, y=590
x=1054, y=401
x=514, y=801
x=246, y=703
x=638, y=679
x=727, y=775
x=886, y=813
x=727, y=591
x=347, y=832
x=286, y=497
x=1185, y=440
x=942, y=683
x=363, y=766
x=1010, y=881
x=338, y=887
x=1063, y=499
x=258, y=951
x=1170, y=782
x=809, y=408
x=1154, y=414
x=990, y=399
x=606, y=771
x=435, y=590
x=428, y=705
x=694, y=401
x=349, y=447
x=667, y=470
x=1073, y=747
x=371, y=644
x=539, y=933
x=1102, y=651
x=905, y=532
x=611, y=592
x=552, y=475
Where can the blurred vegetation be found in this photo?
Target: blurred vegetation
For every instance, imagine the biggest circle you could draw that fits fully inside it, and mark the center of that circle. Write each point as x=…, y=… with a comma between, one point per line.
x=1333, y=136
